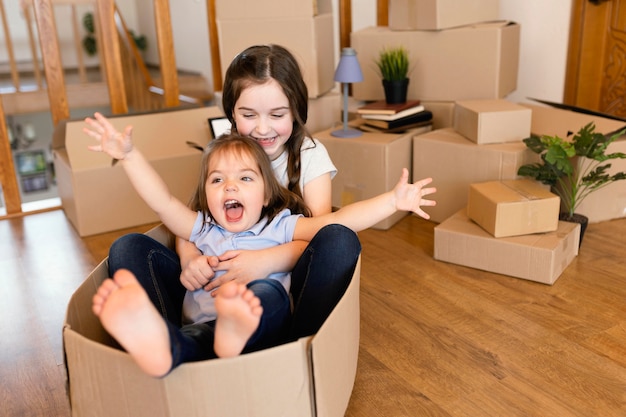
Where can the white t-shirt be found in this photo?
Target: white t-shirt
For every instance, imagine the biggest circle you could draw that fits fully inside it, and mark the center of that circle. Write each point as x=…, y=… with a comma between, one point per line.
x=314, y=161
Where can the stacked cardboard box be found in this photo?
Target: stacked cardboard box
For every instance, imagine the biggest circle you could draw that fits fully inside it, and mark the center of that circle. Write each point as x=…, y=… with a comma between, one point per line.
x=490, y=218
x=457, y=49
x=455, y=161
x=304, y=27
x=367, y=166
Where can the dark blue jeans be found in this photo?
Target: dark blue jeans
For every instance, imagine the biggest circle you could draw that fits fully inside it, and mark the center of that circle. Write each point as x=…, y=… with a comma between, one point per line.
x=318, y=281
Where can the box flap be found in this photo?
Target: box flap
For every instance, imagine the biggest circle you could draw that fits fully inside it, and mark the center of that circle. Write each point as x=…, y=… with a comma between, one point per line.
x=157, y=135
x=553, y=121
x=335, y=352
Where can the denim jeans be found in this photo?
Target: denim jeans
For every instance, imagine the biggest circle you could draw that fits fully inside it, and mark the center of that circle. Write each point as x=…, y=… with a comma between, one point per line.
x=318, y=281
x=194, y=342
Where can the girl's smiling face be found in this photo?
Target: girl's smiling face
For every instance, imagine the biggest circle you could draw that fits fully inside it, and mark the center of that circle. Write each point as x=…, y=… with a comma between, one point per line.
x=235, y=191
x=262, y=112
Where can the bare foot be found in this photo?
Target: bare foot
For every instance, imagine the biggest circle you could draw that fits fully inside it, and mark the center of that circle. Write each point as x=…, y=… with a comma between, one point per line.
x=128, y=315
x=238, y=316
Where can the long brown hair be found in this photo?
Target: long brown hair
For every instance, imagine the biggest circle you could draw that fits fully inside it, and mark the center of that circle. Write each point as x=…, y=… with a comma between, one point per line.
x=278, y=197
x=255, y=66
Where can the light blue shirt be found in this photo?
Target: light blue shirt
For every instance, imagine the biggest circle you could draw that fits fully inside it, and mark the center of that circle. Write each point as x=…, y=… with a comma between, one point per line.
x=214, y=240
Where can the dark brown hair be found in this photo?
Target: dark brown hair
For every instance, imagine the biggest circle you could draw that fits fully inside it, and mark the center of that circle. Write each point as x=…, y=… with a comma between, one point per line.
x=255, y=66
x=278, y=197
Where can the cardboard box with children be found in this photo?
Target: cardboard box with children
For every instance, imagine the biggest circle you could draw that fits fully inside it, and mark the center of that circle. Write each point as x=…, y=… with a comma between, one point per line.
x=312, y=376
x=97, y=196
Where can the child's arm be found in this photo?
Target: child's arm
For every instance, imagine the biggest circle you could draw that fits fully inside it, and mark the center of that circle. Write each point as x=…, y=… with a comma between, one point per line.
x=363, y=214
x=148, y=184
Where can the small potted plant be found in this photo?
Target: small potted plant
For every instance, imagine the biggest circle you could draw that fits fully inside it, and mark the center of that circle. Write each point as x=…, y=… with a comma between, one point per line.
x=573, y=168
x=393, y=64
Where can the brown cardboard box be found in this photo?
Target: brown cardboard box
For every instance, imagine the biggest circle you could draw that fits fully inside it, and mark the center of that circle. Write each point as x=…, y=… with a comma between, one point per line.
x=254, y=9
x=312, y=376
x=439, y=14
x=492, y=121
x=609, y=202
x=454, y=162
x=540, y=257
x=98, y=197
x=443, y=113
x=325, y=111
x=466, y=63
x=367, y=166
x=513, y=207
x=309, y=39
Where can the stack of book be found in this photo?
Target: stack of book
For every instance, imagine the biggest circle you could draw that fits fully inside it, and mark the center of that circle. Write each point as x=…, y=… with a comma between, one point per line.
x=379, y=116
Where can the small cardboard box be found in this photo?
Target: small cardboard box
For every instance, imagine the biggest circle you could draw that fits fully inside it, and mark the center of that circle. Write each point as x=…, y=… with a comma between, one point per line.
x=312, y=376
x=309, y=39
x=98, y=197
x=440, y=14
x=368, y=165
x=254, y=9
x=492, y=121
x=513, y=207
x=454, y=162
x=466, y=63
x=609, y=202
x=540, y=257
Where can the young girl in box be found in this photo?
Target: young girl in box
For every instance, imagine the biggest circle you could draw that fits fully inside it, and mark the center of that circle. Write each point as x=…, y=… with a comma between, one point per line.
x=238, y=202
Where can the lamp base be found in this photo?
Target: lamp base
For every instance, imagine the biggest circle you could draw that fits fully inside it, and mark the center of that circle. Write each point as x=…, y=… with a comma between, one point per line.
x=346, y=133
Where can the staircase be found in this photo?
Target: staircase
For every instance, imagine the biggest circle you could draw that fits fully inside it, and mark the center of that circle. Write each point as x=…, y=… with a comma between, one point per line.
x=36, y=80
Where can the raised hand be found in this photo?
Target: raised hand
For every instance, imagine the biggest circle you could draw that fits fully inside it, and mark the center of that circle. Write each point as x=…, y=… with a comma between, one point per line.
x=115, y=144
x=409, y=197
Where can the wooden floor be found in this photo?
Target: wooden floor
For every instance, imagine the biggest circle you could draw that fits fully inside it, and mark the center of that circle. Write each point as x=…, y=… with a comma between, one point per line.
x=436, y=339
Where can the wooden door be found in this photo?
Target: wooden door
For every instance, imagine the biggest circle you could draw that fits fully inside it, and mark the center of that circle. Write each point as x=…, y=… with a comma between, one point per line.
x=596, y=66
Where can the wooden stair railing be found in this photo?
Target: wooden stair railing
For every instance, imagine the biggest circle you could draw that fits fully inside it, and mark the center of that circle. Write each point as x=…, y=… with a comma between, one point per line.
x=120, y=59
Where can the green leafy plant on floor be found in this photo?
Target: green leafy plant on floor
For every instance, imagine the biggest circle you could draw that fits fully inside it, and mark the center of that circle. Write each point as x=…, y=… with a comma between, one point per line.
x=573, y=168
x=393, y=63
x=89, y=41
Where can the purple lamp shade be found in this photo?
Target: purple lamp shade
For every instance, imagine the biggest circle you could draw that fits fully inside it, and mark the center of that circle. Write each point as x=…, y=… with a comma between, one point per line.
x=348, y=70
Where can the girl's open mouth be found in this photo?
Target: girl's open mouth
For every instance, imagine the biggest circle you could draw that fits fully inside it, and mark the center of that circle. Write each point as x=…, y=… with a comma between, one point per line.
x=233, y=210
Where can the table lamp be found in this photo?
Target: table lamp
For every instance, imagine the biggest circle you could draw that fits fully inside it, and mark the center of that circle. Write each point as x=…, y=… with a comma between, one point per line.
x=348, y=71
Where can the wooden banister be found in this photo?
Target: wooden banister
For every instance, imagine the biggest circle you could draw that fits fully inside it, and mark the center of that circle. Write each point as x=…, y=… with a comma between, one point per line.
x=167, y=56
x=110, y=56
x=7, y=170
x=216, y=63
x=51, y=55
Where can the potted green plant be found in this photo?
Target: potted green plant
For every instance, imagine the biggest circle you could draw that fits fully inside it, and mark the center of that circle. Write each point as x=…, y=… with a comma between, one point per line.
x=393, y=64
x=573, y=168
